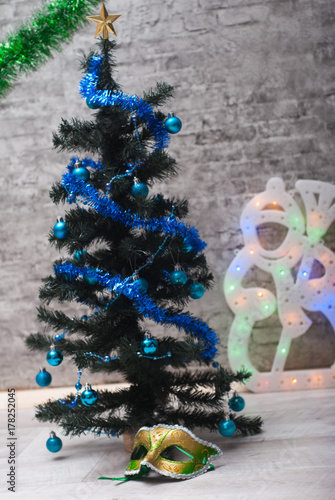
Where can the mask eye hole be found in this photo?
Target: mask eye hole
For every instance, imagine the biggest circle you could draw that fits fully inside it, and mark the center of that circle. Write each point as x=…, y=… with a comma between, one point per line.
x=139, y=452
x=176, y=454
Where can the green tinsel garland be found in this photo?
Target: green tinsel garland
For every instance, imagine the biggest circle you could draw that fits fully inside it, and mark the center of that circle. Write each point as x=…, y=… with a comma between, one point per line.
x=32, y=43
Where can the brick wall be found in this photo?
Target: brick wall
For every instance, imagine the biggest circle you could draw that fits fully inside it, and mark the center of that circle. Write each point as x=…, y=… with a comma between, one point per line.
x=254, y=87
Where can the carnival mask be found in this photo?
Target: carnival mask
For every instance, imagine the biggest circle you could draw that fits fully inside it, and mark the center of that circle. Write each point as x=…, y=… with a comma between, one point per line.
x=158, y=448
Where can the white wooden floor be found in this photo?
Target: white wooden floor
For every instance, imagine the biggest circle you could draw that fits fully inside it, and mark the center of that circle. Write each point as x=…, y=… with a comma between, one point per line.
x=292, y=459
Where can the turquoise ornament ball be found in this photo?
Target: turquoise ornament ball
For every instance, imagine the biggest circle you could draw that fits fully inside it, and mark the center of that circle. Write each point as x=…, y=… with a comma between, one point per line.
x=142, y=284
x=89, y=397
x=60, y=230
x=173, y=124
x=236, y=403
x=91, y=104
x=81, y=173
x=178, y=278
x=139, y=189
x=149, y=346
x=54, y=443
x=54, y=357
x=43, y=378
x=227, y=428
x=197, y=290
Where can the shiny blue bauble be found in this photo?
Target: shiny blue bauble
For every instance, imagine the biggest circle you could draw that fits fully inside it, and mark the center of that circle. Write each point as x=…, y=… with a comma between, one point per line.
x=149, y=346
x=43, y=378
x=89, y=397
x=91, y=104
x=236, y=403
x=142, y=284
x=197, y=290
x=90, y=280
x=54, y=357
x=60, y=230
x=71, y=198
x=54, y=444
x=227, y=428
x=78, y=386
x=139, y=189
x=79, y=255
x=173, y=124
x=178, y=278
x=81, y=173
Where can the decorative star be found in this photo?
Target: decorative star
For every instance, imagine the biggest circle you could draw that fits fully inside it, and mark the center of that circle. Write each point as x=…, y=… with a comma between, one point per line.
x=104, y=22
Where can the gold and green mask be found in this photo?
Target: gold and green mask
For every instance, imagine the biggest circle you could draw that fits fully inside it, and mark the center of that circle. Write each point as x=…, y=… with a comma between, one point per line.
x=171, y=450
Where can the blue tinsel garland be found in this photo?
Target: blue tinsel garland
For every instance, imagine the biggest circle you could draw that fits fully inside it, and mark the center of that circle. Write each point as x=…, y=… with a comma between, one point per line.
x=145, y=305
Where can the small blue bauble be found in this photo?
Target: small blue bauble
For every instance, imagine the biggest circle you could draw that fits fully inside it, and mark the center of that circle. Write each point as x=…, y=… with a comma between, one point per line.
x=89, y=397
x=227, y=428
x=178, y=278
x=91, y=104
x=215, y=364
x=81, y=173
x=78, y=386
x=54, y=443
x=90, y=280
x=142, y=284
x=139, y=189
x=108, y=186
x=236, y=403
x=79, y=255
x=71, y=198
x=173, y=124
x=186, y=248
x=60, y=230
x=149, y=346
x=84, y=318
x=196, y=290
x=43, y=378
x=54, y=357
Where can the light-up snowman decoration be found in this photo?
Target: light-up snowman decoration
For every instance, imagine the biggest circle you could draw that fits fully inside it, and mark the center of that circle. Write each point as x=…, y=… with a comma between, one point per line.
x=294, y=295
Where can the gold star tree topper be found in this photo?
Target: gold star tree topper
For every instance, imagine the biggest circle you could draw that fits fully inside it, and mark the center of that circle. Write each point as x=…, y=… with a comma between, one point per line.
x=104, y=22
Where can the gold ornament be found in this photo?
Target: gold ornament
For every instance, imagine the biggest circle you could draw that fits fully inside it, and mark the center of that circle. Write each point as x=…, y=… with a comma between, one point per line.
x=104, y=22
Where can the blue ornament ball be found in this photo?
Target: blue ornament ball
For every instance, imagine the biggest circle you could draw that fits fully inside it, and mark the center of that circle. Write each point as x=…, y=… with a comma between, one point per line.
x=196, y=290
x=91, y=104
x=60, y=230
x=173, y=125
x=89, y=397
x=71, y=198
x=236, y=403
x=149, y=346
x=81, y=173
x=54, y=357
x=79, y=255
x=227, y=428
x=78, y=386
x=139, y=189
x=43, y=378
x=54, y=443
x=142, y=284
x=178, y=278
x=90, y=280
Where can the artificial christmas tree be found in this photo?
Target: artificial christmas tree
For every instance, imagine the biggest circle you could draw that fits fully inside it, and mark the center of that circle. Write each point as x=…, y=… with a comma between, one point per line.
x=131, y=257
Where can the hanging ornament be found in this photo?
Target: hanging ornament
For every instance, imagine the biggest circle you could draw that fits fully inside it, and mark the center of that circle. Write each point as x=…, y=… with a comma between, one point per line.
x=79, y=255
x=80, y=172
x=54, y=443
x=71, y=198
x=91, y=104
x=149, y=345
x=43, y=378
x=108, y=186
x=178, y=278
x=139, y=188
x=196, y=290
x=173, y=124
x=90, y=280
x=236, y=403
x=227, y=428
x=54, y=357
x=60, y=230
x=89, y=397
x=186, y=248
x=142, y=284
